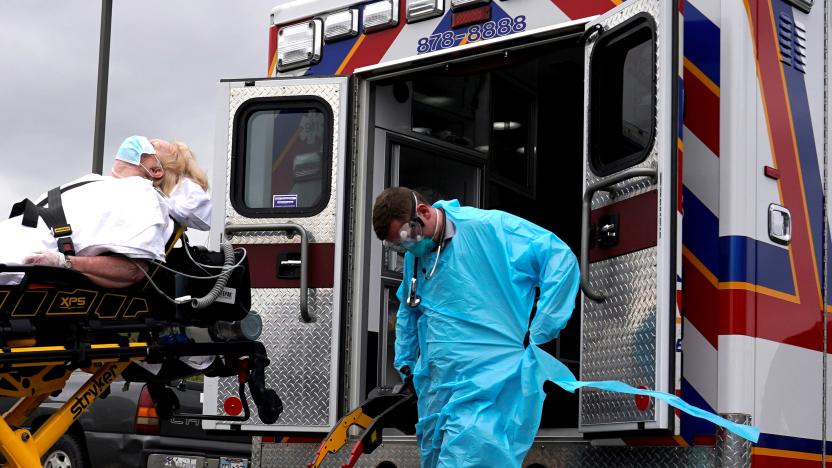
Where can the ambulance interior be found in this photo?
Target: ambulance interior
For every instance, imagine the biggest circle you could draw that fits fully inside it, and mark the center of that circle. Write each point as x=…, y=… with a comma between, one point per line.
x=501, y=132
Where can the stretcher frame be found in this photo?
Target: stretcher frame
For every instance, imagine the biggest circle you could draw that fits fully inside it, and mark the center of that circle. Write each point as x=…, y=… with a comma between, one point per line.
x=24, y=449
x=106, y=362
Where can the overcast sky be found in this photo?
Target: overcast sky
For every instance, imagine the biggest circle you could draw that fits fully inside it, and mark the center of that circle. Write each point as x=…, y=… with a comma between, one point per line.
x=166, y=57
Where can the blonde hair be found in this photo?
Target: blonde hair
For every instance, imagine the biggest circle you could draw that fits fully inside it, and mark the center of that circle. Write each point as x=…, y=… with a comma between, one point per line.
x=180, y=163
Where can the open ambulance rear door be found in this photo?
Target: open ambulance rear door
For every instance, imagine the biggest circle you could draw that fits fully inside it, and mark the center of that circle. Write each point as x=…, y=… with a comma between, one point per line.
x=281, y=157
x=629, y=252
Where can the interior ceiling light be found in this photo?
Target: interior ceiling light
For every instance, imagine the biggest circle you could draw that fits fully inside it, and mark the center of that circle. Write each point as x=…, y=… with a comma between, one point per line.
x=380, y=15
x=341, y=25
x=433, y=100
x=508, y=125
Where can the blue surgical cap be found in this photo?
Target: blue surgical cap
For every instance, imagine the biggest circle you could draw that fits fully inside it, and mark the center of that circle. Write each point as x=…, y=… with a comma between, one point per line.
x=132, y=149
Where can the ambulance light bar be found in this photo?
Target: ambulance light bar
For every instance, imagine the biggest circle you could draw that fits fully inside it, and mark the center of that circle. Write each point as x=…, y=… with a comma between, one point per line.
x=299, y=45
x=381, y=15
x=418, y=10
x=460, y=4
x=341, y=25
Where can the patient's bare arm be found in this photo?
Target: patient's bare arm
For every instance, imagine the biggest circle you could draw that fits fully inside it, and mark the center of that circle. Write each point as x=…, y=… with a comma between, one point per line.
x=110, y=271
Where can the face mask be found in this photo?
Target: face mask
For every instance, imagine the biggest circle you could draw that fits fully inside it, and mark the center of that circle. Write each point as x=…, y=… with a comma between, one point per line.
x=423, y=247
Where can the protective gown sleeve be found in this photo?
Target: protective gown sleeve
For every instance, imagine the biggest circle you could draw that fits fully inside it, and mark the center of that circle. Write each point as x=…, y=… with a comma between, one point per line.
x=407, y=318
x=549, y=263
x=559, y=281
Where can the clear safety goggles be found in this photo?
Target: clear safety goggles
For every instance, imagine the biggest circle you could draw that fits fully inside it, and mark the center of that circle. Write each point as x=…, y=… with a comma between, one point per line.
x=410, y=234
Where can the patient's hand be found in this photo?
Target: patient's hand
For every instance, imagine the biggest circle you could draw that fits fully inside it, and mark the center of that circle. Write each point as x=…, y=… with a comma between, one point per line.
x=46, y=258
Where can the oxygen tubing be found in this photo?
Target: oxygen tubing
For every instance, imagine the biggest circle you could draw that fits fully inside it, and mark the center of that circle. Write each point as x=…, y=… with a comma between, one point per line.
x=208, y=299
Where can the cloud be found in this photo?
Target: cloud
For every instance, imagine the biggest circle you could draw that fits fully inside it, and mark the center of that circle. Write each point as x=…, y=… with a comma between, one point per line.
x=166, y=58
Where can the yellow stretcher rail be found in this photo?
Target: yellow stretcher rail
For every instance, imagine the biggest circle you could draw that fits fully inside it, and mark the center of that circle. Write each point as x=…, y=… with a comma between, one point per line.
x=385, y=407
x=20, y=447
x=339, y=435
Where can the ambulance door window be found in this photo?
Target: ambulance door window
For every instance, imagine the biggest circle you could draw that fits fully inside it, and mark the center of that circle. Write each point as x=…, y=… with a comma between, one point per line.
x=282, y=159
x=622, y=116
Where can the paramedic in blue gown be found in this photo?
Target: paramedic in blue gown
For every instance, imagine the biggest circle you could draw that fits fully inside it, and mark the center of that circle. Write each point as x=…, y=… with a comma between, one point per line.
x=462, y=332
x=123, y=221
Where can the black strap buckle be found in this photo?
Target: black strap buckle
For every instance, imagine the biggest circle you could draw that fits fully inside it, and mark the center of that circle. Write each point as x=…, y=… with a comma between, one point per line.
x=65, y=246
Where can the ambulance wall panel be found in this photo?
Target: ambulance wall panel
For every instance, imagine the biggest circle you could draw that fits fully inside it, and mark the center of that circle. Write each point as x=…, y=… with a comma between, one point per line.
x=799, y=81
x=738, y=139
x=735, y=363
x=709, y=8
x=828, y=178
x=699, y=361
x=701, y=205
x=788, y=390
x=814, y=72
x=768, y=191
x=701, y=172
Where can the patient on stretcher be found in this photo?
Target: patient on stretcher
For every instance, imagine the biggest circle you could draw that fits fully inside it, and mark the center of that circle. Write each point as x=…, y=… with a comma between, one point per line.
x=118, y=222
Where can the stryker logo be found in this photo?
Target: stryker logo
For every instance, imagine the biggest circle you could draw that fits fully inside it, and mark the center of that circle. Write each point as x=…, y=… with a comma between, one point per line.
x=73, y=302
x=92, y=392
x=227, y=296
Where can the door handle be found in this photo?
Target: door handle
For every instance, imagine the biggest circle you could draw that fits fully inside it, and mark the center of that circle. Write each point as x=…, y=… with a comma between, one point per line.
x=304, y=248
x=604, y=184
x=779, y=224
x=288, y=265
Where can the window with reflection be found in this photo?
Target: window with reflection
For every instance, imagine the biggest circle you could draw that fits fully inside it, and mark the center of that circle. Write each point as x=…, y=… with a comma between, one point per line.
x=436, y=177
x=623, y=96
x=388, y=341
x=283, y=160
x=453, y=109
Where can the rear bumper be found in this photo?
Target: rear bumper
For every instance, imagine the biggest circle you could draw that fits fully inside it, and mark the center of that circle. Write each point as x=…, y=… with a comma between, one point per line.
x=133, y=450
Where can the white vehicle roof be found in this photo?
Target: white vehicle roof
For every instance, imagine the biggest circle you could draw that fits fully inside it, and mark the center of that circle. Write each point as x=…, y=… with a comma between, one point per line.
x=300, y=9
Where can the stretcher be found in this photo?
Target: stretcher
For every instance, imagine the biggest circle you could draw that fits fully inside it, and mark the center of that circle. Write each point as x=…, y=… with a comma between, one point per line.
x=55, y=321
x=385, y=407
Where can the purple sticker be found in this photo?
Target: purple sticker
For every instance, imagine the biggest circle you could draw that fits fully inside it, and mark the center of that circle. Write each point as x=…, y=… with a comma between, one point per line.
x=285, y=201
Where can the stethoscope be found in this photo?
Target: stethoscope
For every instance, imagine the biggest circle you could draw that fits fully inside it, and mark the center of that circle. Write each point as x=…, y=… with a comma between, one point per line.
x=413, y=299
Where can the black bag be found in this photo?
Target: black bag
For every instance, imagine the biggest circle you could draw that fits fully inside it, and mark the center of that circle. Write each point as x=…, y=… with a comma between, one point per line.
x=233, y=302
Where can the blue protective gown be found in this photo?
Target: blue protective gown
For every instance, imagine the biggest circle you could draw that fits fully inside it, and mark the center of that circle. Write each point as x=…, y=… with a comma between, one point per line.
x=480, y=390
x=479, y=403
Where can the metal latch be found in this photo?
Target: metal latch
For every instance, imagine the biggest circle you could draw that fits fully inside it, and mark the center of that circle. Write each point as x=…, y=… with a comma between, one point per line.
x=608, y=230
x=779, y=224
x=288, y=265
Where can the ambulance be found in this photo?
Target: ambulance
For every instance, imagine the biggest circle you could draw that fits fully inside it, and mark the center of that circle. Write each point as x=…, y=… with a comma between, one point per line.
x=678, y=147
